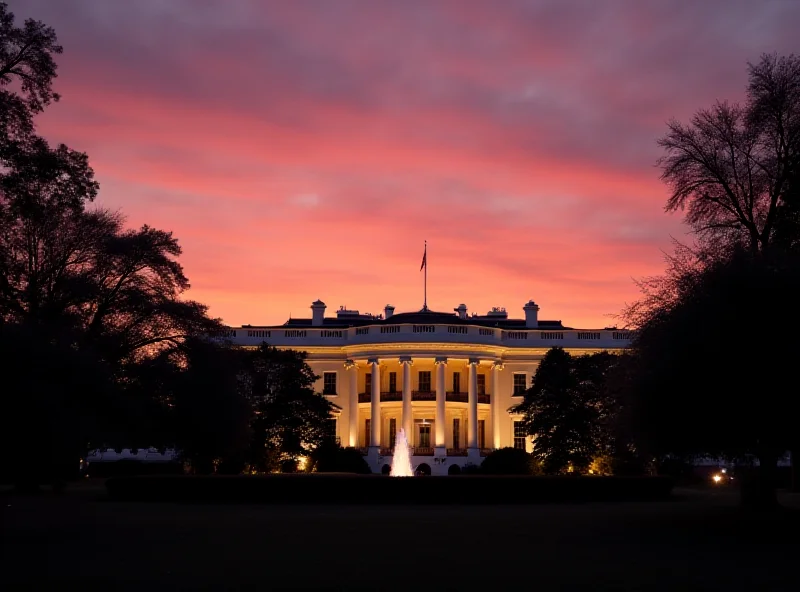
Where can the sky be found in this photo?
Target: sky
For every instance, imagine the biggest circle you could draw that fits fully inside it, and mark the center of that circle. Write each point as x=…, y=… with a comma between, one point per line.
x=305, y=150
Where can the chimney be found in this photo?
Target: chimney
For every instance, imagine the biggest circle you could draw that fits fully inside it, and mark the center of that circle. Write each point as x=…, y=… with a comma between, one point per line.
x=531, y=314
x=317, y=313
x=462, y=311
x=388, y=311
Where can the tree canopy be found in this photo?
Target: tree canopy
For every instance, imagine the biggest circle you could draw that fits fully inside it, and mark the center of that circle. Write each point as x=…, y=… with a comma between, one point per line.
x=569, y=410
x=100, y=344
x=733, y=168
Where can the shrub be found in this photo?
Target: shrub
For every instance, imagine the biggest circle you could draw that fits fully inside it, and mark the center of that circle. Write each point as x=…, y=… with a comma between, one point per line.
x=510, y=461
x=330, y=458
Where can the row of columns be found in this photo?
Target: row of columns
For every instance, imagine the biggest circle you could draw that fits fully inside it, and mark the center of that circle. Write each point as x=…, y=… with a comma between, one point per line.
x=407, y=418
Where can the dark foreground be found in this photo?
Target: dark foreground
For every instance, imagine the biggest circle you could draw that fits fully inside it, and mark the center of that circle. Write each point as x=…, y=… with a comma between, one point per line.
x=697, y=540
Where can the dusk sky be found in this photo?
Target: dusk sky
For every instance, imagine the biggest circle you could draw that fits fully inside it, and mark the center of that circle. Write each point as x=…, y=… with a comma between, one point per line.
x=303, y=150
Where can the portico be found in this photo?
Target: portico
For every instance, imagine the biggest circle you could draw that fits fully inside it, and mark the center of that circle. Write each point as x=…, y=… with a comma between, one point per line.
x=453, y=416
x=448, y=380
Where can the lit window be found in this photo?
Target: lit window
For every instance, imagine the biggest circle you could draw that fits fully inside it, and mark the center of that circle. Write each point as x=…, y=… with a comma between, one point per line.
x=457, y=382
x=519, y=385
x=519, y=435
x=481, y=384
x=456, y=433
x=392, y=382
x=425, y=381
x=329, y=383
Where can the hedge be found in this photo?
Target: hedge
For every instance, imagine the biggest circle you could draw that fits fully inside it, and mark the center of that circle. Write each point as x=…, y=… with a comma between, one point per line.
x=378, y=489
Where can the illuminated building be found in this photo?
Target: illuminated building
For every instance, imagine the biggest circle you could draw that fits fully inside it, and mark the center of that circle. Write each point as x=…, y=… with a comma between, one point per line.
x=447, y=379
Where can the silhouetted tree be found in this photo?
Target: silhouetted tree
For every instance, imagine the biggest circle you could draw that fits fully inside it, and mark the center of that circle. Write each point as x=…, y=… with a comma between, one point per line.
x=75, y=278
x=26, y=62
x=291, y=419
x=210, y=413
x=734, y=168
x=697, y=389
x=568, y=410
x=53, y=399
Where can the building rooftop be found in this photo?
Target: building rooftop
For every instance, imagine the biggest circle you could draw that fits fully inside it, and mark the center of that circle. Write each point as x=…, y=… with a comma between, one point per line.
x=352, y=318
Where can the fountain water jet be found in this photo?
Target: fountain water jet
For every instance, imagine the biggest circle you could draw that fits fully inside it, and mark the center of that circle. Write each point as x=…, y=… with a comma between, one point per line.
x=401, y=461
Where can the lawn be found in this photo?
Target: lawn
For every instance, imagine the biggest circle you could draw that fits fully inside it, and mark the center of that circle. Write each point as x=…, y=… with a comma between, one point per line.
x=697, y=540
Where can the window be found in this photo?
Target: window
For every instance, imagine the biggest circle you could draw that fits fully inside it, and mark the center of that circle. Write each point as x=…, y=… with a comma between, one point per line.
x=368, y=383
x=457, y=382
x=425, y=435
x=392, y=432
x=481, y=384
x=481, y=433
x=456, y=433
x=329, y=383
x=392, y=382
x=331, y=428
x=367, y=433
x=425, y=381
x=519, y=435
x=519, y=385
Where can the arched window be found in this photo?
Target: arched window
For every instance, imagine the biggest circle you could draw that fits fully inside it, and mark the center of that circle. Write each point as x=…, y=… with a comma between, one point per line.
x=454, y=470
x=386, y=469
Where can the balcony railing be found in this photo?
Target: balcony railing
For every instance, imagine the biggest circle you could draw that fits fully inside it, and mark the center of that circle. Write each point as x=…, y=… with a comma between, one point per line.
x=424, y=396
x=456, y=452
x=422, y=451
x=387, y=451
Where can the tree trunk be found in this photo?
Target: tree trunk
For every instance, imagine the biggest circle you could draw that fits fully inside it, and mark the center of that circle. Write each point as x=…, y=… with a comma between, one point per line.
x=758, y=483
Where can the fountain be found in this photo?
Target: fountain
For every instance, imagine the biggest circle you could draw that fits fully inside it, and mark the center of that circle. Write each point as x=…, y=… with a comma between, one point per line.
x=401, y=461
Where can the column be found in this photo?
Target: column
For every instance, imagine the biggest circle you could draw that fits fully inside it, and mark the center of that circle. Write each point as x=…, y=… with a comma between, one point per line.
x=352, y=373
x=407, y=419
x=472, y=417
x=375, y=405
x=495, y=404
x=439, y=437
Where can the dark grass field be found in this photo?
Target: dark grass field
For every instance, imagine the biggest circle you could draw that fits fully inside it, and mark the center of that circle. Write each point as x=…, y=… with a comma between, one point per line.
x=699, y=540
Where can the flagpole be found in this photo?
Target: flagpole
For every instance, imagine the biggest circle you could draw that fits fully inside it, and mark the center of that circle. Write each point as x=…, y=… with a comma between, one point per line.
x=425, y=302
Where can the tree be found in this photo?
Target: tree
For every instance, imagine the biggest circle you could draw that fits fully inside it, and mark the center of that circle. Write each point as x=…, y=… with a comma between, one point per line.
x=54, y=399
x=26, y=58
x=734, y=168
x=210, y=413
x=696, y=390
x=568, y=410
x=291, y=419
x=74, y=280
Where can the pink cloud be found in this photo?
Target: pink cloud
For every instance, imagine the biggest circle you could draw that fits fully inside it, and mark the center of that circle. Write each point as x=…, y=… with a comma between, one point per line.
x=306, y=150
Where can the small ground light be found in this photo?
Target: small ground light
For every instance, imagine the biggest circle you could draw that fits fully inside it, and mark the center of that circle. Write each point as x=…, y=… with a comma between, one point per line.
x=717, y=478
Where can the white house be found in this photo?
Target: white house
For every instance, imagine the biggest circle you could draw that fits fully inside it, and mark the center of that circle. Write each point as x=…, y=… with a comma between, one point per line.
x=447, y=379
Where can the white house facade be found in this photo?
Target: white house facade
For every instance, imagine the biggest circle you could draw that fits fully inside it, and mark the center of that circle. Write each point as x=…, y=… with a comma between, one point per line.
x=447, y=379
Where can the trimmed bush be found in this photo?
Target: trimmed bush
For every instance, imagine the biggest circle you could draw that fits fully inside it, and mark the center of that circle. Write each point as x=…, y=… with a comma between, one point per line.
x=509, y=461
x=334, y=459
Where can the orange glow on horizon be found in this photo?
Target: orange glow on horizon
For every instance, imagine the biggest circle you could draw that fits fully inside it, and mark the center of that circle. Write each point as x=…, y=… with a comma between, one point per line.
x=301, y=154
